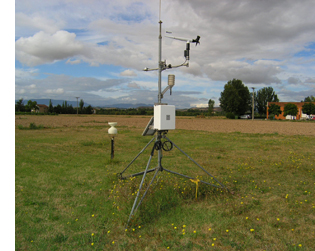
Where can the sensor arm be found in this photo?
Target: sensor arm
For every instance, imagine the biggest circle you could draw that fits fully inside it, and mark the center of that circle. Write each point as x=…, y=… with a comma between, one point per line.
x=148, y=69
x=165, y=67
x=181, y=39
x=194, y=40
x=166, y=89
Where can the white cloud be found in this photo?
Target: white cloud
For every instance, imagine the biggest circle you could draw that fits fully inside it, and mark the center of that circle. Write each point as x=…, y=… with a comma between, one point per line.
x=20, y=91
x=128, y=73
x=25, y=73
x=310, y=80
x=248, y=73
x=44, y=48
x=55, y=91
x=134, y=85
x=73, y=62
x=202, y=105
x=67, y=87
x=294, y=81
x=34, y=24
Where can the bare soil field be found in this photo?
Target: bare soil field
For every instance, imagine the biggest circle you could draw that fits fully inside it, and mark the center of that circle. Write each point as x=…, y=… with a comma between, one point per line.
x=186, y=123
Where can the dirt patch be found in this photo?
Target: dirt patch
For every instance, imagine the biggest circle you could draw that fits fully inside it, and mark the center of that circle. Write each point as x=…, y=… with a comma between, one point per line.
x=186, y=123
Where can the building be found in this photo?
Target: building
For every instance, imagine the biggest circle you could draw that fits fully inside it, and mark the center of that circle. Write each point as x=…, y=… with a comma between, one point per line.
x=41, y=109
x=299, y=115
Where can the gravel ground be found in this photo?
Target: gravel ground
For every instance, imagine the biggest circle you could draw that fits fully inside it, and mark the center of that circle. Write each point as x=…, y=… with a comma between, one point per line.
x=186, y=123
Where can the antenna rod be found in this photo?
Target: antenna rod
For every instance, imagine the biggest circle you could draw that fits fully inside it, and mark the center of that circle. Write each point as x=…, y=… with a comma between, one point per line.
x=160, y=11
x=160, y=63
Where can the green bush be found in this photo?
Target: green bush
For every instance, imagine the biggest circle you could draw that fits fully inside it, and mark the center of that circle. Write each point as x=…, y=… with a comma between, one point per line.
x=230, y=115
x=32, y=126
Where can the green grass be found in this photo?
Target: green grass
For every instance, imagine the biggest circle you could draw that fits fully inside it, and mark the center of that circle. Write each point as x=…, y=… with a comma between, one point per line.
x=32, y=126
x=68, y=196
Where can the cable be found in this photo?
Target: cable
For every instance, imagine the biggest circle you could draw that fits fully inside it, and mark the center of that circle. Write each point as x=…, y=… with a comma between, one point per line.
x=167, y=146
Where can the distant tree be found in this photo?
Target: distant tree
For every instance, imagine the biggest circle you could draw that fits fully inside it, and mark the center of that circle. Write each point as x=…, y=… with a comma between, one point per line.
x=58, y=109
x=274, y=109
x=308, y=108
x=50, y=107
x=31, y=105
x=210, y=106
x=19, y=107
x=63, y=108
x=263, y=96
x=70, y=110
x=88, y=110
x=81, y=104
x=309, y=99
x=290, y=109
x=235, y=98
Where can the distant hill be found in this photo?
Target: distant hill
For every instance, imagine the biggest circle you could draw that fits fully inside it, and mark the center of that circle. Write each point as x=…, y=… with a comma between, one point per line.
x=127, y=106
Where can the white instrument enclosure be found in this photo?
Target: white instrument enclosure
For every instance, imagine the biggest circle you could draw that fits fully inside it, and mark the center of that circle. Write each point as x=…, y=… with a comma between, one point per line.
x=164, y=117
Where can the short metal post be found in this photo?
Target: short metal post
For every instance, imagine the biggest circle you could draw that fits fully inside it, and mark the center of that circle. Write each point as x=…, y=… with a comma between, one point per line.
x=112, y=148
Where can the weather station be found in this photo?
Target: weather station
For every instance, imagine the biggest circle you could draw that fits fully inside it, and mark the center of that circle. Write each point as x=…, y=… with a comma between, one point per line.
x=159, y=125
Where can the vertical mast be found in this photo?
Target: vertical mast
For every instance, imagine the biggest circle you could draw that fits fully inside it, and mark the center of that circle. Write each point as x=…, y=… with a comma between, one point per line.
x=160, y=58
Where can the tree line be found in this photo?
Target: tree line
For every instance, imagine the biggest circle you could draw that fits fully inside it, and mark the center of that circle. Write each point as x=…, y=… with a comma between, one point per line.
x=236, y=100
x=65, y=108
x=148, y=111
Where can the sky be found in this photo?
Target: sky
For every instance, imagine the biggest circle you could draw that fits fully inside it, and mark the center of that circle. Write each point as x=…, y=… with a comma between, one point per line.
x=97, y=50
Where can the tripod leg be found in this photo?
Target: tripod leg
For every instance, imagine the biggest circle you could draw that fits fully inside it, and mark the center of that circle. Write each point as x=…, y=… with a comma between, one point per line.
x=190, y=177
x=137, y=156
x=222, y=186
x=140, y=187
x=137, y=174
x=157, y=170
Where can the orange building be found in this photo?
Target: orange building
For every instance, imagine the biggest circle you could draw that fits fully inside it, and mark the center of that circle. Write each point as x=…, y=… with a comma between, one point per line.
x=282, y=105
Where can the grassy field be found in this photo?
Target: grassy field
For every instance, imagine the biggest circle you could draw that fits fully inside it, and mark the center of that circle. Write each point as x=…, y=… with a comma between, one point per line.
x=68, y=196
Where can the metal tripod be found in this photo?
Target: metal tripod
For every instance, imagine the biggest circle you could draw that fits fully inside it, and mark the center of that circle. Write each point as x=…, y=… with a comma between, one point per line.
x=158, y=146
